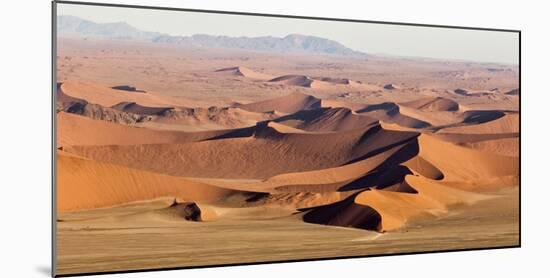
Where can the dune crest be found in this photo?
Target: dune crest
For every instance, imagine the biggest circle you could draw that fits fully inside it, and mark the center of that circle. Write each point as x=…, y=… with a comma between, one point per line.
x=326, y=120
x=433, y=104
x=287, y=104
x=246, y=72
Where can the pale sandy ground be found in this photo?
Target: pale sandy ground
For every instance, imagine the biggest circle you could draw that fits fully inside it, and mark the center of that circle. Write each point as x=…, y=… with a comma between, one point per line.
x=119, y=243
x=231, y=157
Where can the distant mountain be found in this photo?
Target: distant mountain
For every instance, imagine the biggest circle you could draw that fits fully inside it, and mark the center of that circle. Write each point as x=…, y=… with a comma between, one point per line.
x=75, y=26
x=293, y=43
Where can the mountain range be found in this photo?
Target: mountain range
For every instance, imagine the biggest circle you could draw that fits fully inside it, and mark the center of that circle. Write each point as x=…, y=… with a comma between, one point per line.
x=293, y=43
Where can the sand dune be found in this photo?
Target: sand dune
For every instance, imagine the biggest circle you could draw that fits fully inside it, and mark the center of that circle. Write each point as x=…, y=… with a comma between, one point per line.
x=293, y=80
x=305, y=81
x=284, y=128
x=330, y=103
x=432, y=199
x=287, y=104
x=160, y=117
x=384, y=210
x=424, y=168
x=506, y=123
x=246, y=72
x=326, y=120
x=107, y=97
x=238, y=157
x=464, y=138
x=345, y=213
x=389, y=112
x=505, y=146
x=493, y=95
x=86, y=184
x=433, y=104
x=337, y=177
x=78, y=130
x=212, y=118
x=327, y=180
x=467, y=168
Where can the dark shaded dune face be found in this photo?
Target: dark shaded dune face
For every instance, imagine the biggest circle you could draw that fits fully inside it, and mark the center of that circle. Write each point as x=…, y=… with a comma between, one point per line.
x=345, y=213
x=377, y=140
x=64, y=101
x=342, y=81
x=288, y=104
x=127, y=88
x=433, y=104
x=424, y=168
x=401, y=187
x=234, y=133
x=389, y=112
x=461, y=91
x=514, y=92
x=265, y=154
x=389, y=178
x=461, y=138
x=132, y=107
x=386, y=174
x=481, y=116
x=81, y=107
x=233, y=70
x=326, y=119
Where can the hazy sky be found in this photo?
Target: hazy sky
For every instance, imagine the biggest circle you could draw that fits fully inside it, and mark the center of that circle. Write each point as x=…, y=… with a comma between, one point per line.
x=442, y=43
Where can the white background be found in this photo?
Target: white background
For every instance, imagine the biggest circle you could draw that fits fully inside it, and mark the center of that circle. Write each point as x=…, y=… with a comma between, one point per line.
x=25, y=131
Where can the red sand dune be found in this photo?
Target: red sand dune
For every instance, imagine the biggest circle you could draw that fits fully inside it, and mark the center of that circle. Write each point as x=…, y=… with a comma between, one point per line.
x=302, y=81
x=212, y=118
x=287, y=104
x=326, y=120
x=107, y=97
x=433, y=104
x=246, y=72
x=86, y=184
x=78, y=130
x=239, y=157
x=505, y=146
x=467, y=168
x=337, y=177
x=509, y=123
x=389, y=112
x=396, y=208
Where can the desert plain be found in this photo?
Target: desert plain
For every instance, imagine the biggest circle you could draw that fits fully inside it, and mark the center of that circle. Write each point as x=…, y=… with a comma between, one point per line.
x=171, y=156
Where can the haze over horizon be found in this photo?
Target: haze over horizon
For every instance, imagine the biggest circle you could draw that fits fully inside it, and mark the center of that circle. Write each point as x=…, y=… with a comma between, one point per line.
x=371, y=38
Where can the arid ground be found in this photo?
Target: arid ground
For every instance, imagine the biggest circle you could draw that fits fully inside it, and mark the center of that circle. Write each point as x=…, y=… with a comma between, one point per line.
x=171, y=156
